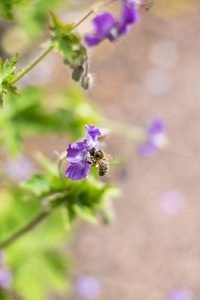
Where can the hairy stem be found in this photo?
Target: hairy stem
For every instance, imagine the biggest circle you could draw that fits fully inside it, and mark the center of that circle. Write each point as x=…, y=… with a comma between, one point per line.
x=34, y=222
x=32, y=65
x=83, y=19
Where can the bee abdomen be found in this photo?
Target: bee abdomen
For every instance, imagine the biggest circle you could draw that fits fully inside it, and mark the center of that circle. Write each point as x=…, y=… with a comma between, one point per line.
x=102, y=170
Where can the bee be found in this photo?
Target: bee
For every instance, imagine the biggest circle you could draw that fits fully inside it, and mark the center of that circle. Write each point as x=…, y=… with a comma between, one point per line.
x=100, y=159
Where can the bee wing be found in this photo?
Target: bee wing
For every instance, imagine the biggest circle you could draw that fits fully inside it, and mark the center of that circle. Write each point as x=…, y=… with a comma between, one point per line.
x=112, y=160
x=108, y=171
x=105, y=161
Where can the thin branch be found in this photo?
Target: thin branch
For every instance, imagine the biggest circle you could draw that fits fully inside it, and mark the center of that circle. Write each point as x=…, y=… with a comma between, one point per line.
x=33, y=65
x=33, y=223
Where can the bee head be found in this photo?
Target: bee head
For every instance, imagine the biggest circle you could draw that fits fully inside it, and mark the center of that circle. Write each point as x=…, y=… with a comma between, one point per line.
x=99, y=154
x=92, y=151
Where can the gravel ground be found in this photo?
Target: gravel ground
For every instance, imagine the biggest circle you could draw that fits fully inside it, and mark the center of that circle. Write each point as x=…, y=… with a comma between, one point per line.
x=152, y=249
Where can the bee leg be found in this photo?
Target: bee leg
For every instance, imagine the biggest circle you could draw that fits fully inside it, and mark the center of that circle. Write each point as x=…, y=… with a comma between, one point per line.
x=91, y=162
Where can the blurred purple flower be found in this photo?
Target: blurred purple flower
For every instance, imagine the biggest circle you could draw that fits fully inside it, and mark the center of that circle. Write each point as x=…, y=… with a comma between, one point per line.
x=19, y=169
x=77, y=154
x=107, y=27
x=180, y=294
x=87, y=287
x=5, y=277
x=171, y=203
x=156, y=138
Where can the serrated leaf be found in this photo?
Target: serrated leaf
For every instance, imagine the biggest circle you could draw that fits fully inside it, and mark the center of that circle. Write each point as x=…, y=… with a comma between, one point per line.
x=7, y=68
x=6, y=75
x=10, y=89
x=57, y=28
x=66, y=42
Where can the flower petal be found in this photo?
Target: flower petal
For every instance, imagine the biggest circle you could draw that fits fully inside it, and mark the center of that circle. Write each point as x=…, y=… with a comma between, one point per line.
x=156, y=126
x=92, y=40
x=102, y=24
x=129, y=16
x=92, y=133
x=130, y=2
x=77, y=152
x=147, y=150
x=78, y=170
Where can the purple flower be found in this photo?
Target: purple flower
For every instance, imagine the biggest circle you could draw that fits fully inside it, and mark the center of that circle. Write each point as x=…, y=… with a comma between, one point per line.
x=18, y=169
x=181, y=294
x=107, y=27
x=171, y=202
x=5, y=277
x=156, y=138
x=87, y=287
x=77, y=154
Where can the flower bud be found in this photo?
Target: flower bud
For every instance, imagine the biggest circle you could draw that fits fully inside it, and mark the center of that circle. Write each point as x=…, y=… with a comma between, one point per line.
x=87, y=81
x=77, y=73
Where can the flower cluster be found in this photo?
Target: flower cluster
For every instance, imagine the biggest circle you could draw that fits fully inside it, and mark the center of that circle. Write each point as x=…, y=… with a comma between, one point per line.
x=107, y=27
x=78, y=156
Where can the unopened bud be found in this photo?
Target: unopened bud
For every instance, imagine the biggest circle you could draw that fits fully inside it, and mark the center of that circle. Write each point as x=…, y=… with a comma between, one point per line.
x=87, y=82
x=77, y=73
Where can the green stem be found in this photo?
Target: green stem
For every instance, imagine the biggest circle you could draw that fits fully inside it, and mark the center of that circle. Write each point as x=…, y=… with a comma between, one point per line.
x=91, y=12
x=32, y=65
x=121, y=129
x=60, y=200
x=34, y=222
x=84, y=18
x=23, y=73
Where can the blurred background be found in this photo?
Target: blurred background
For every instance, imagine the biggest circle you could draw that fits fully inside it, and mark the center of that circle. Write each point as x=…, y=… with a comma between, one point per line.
x=151, y=250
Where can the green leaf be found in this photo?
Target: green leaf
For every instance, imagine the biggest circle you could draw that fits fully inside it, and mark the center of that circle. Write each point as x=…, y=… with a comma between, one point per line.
x=6, y=7
x=6, y=76
x=40, y=272
x=33, y=18
x=37, y=184
x=7, y=68
x=57, y=28
x=3, y=296
x=36, y=112
x=46, y=164
x=85, y=213
x=66, y=42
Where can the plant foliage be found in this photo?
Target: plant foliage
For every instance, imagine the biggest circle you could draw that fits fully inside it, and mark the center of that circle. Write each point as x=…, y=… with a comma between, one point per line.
x=7, y=75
